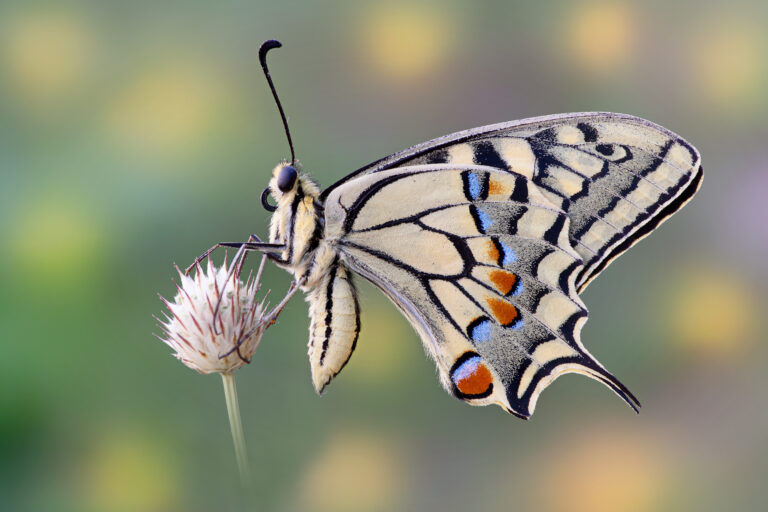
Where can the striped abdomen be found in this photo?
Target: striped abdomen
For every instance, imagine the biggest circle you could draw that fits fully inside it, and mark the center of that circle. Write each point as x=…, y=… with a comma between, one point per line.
x=334, y=324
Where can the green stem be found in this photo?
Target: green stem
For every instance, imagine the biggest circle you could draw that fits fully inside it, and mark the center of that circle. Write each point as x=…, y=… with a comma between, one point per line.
x=233, y=409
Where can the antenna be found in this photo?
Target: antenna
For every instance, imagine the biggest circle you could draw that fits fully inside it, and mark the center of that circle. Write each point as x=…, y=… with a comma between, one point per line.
x=265, y=47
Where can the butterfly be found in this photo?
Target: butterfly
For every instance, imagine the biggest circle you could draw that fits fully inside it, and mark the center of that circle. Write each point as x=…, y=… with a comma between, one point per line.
x=483, y=239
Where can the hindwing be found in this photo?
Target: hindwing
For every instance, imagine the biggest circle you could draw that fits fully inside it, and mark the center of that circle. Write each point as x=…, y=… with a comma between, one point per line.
x=481, y=262
x=616, y=177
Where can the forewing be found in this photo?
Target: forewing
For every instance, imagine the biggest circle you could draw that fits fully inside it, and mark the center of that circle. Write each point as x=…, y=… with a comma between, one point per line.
x=617, y=177
x=480, y=261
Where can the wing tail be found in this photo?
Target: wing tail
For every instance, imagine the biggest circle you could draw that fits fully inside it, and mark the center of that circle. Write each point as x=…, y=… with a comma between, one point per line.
x=602, y=375
x=523, y=393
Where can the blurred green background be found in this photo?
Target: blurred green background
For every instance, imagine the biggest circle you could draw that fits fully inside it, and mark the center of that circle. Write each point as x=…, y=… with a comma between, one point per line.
x=136, y=134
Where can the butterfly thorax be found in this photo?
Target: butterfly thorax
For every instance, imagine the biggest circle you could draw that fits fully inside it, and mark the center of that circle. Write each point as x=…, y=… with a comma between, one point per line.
x=298, y=223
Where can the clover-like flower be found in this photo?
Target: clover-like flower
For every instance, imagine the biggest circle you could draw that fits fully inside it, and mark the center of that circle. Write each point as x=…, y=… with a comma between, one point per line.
x=214, y=325
x=208, y=339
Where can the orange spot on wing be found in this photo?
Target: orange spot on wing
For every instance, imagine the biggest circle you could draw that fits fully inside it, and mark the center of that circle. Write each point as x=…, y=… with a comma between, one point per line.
x=493, y=251
x=477, y=382
x=504, y=312
x=496, y=187
x=504, y=281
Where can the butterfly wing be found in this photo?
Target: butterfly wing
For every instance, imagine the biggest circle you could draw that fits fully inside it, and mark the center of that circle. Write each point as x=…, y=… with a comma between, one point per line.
x=480, y=262
x=616, y=177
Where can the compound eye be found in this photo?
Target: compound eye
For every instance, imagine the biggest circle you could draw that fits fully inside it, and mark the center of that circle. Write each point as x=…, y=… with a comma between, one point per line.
x=287, y=178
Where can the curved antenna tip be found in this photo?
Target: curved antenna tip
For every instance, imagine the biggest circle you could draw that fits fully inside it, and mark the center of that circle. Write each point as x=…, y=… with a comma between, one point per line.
x=266, y=46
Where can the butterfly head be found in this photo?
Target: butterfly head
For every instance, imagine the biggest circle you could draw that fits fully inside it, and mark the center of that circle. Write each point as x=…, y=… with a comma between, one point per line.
x=285, y=177
x=285, y=181
x=288, y=180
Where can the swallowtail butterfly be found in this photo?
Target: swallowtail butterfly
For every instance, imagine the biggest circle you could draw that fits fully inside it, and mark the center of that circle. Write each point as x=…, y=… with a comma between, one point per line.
x=483, y=239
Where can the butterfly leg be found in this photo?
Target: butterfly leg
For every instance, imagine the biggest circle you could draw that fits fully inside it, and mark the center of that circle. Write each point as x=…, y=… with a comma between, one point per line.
x=260, y=246
x=253, y=244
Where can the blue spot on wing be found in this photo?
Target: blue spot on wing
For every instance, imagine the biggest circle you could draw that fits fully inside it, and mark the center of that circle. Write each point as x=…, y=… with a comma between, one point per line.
x=509, y=255
x=485, y=220
x=474, y=185
x=466, y=369
x=480, y=332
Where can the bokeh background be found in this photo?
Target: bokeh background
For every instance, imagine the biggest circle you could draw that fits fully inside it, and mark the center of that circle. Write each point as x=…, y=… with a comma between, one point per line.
x=136, y=134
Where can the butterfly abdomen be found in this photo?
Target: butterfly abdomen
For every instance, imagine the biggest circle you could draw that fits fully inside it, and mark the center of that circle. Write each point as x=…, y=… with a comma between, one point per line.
x=334, y=324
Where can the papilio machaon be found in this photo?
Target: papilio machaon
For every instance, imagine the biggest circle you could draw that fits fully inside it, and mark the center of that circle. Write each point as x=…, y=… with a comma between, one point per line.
x=483, y=239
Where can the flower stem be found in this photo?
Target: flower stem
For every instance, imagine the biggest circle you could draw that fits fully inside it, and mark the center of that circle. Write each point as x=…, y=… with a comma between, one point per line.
x=233, y=409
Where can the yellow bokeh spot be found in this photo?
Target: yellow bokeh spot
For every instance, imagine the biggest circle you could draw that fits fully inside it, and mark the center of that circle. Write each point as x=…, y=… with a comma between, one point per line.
x=46, y=54
x=600, y=35
x=711, y=313
x=165, y=110
x=130, y=472
x=355, y=472
x=603, y=470
x=730, y=61
x=403, y=42
x=54, y=241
